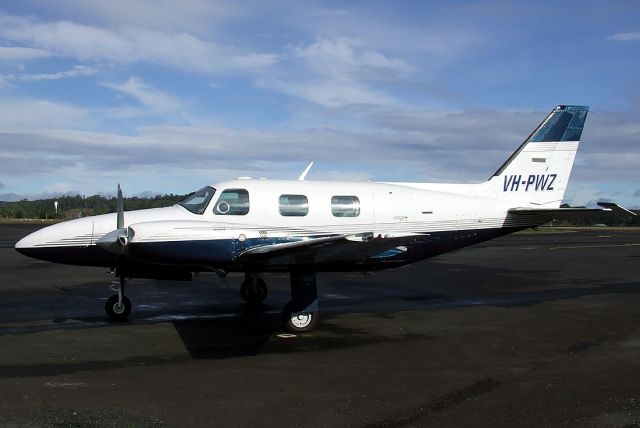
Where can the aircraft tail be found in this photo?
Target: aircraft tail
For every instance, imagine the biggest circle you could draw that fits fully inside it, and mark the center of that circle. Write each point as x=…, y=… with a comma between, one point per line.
x=537, y=173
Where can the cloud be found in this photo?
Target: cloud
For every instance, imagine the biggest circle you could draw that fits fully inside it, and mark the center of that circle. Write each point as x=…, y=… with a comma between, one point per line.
x=126, y=45
x=151, y=98
x=199, y=16
x=15, y=53
x=336, y=73
x=13, y=197
x=76, y=71
x=432, y=35
x=328, y=93
x=400, y=145
x=345, y=58
x=637, y=192
x=1, y=185
x=26, y=114
x=625, y=37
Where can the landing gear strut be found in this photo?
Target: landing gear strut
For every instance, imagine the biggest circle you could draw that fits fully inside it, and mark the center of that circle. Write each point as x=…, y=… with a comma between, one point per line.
x=118, y=306
x=253, y=289
x=301, y=314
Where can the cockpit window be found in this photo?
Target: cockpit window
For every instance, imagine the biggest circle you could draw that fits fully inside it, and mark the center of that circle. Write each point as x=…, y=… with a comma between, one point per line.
x=232, y=202
x=197, y=202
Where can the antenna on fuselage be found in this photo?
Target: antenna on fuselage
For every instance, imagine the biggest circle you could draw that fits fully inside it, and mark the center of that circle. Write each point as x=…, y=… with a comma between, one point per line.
x=305, y=172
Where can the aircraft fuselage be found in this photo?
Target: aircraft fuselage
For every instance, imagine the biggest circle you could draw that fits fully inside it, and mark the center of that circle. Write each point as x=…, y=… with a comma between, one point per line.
x=275, y=212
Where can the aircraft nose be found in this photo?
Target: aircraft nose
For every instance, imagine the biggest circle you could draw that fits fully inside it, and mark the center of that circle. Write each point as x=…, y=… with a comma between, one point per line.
x=62, y=243
x=25, y=244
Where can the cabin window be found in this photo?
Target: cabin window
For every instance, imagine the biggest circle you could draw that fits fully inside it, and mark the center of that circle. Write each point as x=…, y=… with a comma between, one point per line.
x=294, y=205
x=232, y=202
x=345, y=206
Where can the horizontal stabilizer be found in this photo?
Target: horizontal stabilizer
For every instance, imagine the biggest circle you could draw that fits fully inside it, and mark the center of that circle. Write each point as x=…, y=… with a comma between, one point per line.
x=608, y=209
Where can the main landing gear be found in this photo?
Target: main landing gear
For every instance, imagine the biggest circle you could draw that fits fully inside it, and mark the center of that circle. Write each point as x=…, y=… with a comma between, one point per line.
x=253, y=289
x=118, y=306
x=300, y=315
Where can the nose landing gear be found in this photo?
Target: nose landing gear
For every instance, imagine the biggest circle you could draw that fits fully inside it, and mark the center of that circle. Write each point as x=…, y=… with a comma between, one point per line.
x=118, y=306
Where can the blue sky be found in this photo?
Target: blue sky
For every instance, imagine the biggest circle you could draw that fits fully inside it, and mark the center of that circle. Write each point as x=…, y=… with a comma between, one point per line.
x=166, y=96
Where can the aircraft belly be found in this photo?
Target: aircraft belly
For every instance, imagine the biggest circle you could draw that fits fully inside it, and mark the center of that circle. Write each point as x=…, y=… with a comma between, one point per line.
x=70, y=255
x=431, y=245
x=187, y=252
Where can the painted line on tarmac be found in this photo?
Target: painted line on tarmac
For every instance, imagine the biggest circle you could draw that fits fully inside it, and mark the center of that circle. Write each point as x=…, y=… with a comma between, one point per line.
x=593, y=246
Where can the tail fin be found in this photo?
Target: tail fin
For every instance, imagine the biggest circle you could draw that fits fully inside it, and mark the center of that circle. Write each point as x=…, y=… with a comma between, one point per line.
x=538, y=172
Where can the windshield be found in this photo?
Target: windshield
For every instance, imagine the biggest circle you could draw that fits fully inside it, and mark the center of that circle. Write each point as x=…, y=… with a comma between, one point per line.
x=197, y=202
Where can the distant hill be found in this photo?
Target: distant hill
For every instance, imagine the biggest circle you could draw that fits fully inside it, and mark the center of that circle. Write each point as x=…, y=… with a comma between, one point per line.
x=78, y=206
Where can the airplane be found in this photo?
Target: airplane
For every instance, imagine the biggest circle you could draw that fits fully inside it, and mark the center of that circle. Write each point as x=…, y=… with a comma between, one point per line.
x=303, y=227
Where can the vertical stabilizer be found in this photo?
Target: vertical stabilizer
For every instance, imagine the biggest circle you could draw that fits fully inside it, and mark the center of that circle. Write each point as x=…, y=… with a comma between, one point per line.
x=538, y=172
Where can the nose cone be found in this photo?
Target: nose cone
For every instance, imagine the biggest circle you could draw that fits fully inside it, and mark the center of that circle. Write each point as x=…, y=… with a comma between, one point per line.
x=61, y=243
x=23, y=245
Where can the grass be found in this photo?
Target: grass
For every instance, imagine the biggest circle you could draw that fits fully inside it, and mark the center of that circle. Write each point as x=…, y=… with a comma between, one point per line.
x=27, y=221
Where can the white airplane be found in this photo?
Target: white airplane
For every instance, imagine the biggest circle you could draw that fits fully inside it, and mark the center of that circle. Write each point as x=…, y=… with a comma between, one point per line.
x=304, y=227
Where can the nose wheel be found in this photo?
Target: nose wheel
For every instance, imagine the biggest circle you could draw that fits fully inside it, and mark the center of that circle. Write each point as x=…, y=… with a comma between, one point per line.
x=118, y=306
x=117, y=309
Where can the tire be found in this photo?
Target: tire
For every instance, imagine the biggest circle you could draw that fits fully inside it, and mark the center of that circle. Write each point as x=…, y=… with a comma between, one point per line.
x=252, y=292
x=301, y=322
x=115, y=313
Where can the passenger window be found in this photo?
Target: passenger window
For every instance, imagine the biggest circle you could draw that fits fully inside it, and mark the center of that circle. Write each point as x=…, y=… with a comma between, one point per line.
x=294, y=205
x=232, y=202
x=345, y=206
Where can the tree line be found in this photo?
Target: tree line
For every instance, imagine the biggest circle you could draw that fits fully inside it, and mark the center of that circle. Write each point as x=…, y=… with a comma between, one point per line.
x=80, y=206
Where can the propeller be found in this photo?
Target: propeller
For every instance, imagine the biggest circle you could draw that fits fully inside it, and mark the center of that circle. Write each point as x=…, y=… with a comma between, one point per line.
x=120, y=209
x=117, y=241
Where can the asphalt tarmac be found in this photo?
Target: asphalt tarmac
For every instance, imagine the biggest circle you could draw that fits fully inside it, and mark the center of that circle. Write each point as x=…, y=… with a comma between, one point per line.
x=526, y=330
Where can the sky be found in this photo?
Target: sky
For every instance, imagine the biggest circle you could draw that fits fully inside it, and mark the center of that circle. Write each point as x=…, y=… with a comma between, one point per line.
x=166, y=97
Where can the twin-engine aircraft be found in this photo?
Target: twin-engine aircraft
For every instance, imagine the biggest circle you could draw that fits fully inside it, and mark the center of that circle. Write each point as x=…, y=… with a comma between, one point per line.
x=303, y=227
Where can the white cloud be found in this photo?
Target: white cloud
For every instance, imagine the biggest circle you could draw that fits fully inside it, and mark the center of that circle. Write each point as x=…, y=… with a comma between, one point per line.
x=344, y=58
x=76, y=71
x=336, y=73
x=59, y=187
x=625, y=37
x=432, y=37
x=15, y=53
x=25, y=114
x=151, y=98
x=199, y=16
x=128, y=45
x=329, y=93
x=390, y=150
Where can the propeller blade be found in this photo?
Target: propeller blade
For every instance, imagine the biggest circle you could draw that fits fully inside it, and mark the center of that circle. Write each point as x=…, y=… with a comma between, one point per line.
x=120, y=209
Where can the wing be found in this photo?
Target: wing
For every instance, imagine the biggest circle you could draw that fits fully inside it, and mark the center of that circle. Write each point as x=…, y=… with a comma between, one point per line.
x=332, y=249
x=608, y=208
